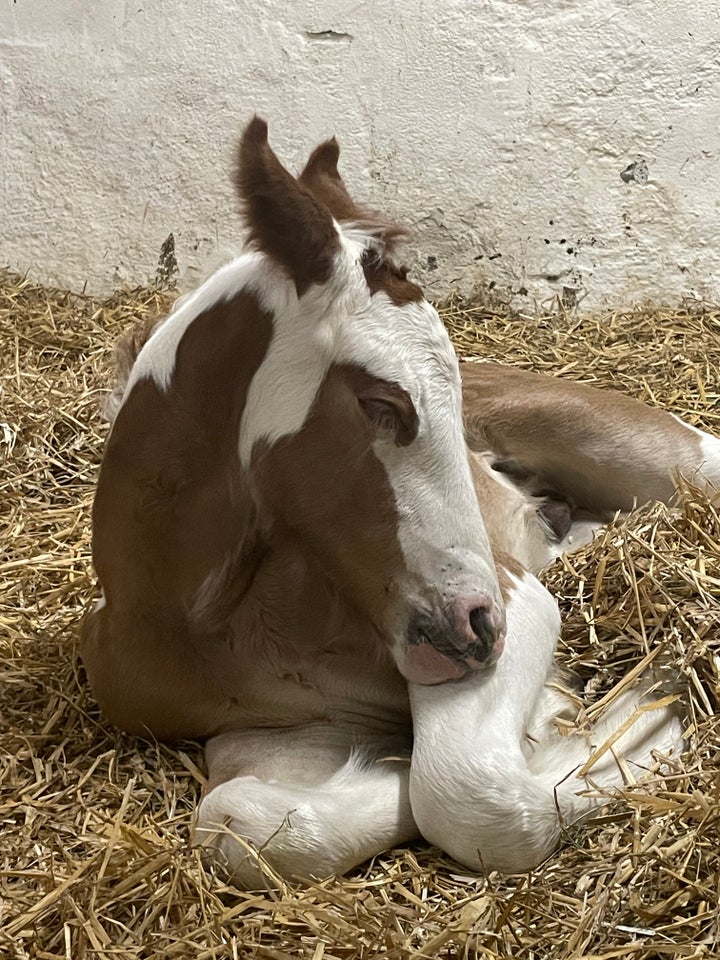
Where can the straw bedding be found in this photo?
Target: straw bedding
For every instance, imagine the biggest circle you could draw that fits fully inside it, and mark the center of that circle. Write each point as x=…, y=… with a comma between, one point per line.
x=94, y=858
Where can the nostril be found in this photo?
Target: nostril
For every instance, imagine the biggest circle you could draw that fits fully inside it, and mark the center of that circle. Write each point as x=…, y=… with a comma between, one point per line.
x=482, y=626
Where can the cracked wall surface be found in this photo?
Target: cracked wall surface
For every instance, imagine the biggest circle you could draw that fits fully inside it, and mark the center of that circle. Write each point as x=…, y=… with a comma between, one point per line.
x=539, y=150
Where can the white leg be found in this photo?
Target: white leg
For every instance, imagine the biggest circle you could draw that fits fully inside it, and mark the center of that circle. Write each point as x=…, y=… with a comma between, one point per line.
x=478, y=788
x=315, y=805
x=705, y=464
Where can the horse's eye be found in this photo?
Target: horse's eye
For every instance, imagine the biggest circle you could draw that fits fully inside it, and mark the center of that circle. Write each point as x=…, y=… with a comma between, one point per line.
x=380, y=412
x=388, y=407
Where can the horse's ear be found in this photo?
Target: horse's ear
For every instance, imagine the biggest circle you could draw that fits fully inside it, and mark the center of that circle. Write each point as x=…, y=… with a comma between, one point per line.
x=284, y=219
x=321, y=177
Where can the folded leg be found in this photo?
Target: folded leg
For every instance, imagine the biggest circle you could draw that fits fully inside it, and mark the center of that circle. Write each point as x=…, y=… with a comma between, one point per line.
x=302, y=803
x=480, y=788
x=599, y=449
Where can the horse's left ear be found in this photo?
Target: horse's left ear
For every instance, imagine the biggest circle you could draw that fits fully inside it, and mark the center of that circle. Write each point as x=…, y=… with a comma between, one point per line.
x=285, y=220
x=323, y=180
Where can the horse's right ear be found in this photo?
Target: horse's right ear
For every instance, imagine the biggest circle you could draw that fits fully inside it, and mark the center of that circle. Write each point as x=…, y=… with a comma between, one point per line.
x=284, y=219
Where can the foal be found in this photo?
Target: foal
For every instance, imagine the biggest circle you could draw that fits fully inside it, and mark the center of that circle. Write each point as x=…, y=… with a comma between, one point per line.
x=287, y=532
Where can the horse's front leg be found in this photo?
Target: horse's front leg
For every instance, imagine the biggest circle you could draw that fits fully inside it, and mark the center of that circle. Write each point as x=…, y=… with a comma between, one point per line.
x=479, y=787
x=302, y=803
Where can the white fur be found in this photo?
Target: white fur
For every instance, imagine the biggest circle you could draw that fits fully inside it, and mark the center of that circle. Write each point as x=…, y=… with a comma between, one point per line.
x=306, y=823
x=580, y=534
x=478, y=788
x=710, y=455
x=339, y=322
x=441, y=531
x=707, y=463
x=304, y=344
x=441, y=526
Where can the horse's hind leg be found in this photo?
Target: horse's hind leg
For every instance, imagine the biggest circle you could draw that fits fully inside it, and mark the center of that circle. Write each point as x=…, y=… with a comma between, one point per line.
x=601, y=450
x=301, y=803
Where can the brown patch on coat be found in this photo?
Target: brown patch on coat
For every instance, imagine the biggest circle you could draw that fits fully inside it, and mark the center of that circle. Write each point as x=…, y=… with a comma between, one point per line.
x=171, y=506
x=498, y=503
x=322, y=178
x=599, y=449
x=296, y=581
x=383, y=276
x=343, y=511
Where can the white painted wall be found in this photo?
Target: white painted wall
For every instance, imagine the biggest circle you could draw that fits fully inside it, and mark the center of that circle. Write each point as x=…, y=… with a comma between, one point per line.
x=498, y=129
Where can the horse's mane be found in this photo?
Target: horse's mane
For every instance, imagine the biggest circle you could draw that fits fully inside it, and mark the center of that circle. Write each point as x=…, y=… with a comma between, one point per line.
x=127, y=348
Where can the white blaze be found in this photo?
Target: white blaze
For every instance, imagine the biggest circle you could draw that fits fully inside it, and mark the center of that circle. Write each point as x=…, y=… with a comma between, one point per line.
x=340, y=322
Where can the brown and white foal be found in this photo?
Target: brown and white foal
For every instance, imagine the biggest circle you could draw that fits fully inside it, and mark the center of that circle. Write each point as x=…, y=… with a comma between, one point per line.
x=290, y=530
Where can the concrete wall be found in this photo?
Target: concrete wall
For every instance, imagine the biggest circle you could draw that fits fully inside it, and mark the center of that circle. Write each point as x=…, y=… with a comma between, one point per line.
x=539, y=148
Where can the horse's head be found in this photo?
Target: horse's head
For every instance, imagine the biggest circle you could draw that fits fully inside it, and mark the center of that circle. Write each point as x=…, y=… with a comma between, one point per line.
x=352, y=433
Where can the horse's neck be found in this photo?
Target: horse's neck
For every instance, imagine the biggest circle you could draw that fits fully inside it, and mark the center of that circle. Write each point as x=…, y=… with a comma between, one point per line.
x=293, y=623
x=172, y=508
x=295, y=603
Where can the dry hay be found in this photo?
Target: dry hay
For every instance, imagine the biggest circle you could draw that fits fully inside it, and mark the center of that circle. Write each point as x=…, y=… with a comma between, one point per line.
x=94, y=859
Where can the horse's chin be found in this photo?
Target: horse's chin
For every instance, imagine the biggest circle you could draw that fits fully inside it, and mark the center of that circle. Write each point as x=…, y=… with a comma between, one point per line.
x=426, y=665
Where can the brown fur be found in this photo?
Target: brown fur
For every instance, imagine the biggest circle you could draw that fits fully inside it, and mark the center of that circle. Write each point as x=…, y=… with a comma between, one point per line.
x=322, y=178
x=127, y=348
x=216, y=617
x=383, y=275
x=557, y=431
x=283, y=217
x=300, y=631
x=170, y=507
x=344, y=508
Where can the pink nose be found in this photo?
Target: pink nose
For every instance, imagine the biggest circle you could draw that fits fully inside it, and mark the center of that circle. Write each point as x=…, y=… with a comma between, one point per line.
x=481, y=622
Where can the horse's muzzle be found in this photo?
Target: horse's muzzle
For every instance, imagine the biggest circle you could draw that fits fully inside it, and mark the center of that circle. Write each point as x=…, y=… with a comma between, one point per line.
x=468, y=636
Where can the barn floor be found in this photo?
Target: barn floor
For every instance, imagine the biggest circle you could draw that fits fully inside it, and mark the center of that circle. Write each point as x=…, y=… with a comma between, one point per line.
x=94, y=857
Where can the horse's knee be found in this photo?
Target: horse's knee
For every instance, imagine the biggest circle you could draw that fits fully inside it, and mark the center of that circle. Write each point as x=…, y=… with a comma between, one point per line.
x=256, y=834
x=259, y=832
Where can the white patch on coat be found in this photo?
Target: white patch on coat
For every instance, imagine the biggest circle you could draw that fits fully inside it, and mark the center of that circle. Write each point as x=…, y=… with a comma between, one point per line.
x=476, y=789
x=340, y=322
x=441, y=527
x=708, y=459
x=303, y=346
x=156, y=360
